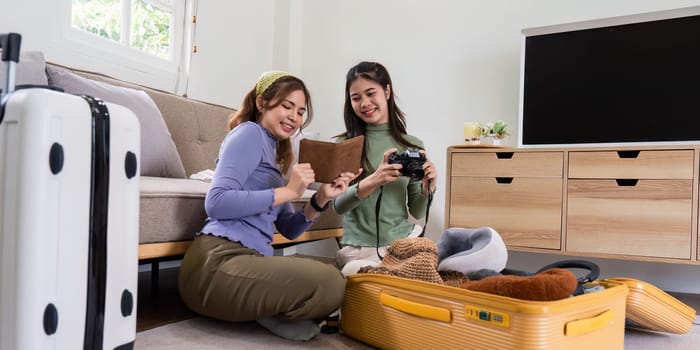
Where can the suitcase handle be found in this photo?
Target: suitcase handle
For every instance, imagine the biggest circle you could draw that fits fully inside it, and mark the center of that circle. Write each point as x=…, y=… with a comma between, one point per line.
x=416, y=309
x=588, y=325
x=10, y=44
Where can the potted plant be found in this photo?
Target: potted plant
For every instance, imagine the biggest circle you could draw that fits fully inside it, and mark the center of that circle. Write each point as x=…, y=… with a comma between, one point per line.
x=495, y=132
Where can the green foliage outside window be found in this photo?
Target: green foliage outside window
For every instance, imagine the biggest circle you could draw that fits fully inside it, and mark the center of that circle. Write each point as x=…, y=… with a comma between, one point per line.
x=149, y=25
x=150, y=29
x=100, y=17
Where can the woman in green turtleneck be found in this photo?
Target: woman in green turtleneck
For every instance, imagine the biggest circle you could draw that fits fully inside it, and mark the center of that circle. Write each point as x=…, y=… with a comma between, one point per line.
x=371, y=110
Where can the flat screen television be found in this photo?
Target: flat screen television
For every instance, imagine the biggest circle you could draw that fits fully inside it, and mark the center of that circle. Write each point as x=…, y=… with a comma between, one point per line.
x=616, y=81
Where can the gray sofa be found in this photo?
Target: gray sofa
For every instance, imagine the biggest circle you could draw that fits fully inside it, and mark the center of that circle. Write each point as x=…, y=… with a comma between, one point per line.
x=180, y=137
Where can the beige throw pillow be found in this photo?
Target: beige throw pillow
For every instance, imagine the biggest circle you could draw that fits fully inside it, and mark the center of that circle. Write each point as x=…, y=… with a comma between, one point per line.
x=159, y=155
x=29, y=71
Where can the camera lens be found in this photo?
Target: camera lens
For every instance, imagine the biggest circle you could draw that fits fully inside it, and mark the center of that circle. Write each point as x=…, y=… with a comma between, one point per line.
x=416, y=172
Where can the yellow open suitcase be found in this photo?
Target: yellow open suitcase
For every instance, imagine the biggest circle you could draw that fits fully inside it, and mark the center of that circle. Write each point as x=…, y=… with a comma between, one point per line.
x=391, y=312
x=649, y=307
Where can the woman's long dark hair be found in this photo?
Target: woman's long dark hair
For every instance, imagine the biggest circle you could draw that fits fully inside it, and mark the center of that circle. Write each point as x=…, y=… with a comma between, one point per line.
x=272, y=97
x=354, y=126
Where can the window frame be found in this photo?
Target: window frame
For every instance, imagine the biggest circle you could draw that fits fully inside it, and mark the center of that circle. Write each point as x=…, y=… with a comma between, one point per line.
x=120, y=54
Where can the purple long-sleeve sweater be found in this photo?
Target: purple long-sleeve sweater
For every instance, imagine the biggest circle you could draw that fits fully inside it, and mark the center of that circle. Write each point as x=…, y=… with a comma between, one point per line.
x=239, y=201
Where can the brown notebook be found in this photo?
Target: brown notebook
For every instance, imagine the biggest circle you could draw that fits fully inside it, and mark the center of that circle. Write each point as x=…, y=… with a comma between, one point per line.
x=329, y=159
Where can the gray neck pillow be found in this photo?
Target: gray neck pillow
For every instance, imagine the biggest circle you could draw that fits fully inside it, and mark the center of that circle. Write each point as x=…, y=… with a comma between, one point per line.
x=468, y=250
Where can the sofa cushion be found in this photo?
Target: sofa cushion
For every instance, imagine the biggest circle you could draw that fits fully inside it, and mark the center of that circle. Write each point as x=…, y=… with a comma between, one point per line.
x=31, y=70
x=173, y=209
x=159, y=156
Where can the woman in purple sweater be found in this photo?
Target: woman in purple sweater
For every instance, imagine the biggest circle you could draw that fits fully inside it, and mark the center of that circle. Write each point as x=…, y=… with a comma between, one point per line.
x=229, y=272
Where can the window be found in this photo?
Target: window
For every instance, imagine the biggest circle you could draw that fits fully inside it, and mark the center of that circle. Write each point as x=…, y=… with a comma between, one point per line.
x=144, y=25
x=142, y=41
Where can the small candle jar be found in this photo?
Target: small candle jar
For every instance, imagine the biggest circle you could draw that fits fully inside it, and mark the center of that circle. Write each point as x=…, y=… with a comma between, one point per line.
x=471, y=132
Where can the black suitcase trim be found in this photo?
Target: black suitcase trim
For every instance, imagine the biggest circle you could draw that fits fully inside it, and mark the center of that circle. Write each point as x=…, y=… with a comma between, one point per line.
x=99, y=205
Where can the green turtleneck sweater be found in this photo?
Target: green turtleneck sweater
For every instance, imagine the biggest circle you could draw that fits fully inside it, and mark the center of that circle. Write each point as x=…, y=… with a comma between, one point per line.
x=398, y=198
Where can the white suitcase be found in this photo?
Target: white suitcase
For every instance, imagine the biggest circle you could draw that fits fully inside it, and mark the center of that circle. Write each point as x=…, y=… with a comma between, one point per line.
x=69, y=205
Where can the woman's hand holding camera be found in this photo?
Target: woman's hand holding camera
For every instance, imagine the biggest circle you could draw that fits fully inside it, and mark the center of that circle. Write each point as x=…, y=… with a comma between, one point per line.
x=385, y=173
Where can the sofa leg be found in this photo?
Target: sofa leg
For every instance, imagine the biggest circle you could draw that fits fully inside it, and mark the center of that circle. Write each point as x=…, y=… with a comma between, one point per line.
x=155, y=272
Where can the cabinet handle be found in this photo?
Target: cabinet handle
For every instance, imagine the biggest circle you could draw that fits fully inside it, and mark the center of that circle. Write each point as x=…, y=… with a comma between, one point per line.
x=628, y=154
x=504, y=180
x=504, y=155
x=626, y=182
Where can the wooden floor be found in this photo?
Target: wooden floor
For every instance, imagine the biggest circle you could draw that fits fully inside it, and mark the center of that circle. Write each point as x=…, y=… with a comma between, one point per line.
x=165, y=307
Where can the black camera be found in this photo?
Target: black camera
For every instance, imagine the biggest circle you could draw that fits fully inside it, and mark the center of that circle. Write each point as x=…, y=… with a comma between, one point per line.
x=412, y=162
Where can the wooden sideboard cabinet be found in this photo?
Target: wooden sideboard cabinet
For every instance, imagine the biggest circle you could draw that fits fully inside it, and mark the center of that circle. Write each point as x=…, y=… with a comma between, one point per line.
x=617, y=202
x=517, y=193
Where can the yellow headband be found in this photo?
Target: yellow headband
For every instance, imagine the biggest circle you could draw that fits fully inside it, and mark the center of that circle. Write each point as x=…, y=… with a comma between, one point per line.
x=266, y=79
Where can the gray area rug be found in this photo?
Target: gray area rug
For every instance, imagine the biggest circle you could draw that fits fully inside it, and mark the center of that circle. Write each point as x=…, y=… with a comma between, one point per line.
x=207, y=334
x=644, y=340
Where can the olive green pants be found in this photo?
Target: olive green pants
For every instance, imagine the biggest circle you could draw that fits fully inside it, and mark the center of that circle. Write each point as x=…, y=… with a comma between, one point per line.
x=224, y=280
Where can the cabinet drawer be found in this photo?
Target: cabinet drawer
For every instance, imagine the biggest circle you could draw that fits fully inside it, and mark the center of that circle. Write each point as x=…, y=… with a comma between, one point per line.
x=672, y=164
x=651, y=218
x=523, y=164
x=526, y=212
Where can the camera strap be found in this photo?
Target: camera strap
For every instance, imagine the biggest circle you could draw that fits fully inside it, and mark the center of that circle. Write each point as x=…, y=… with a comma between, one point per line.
x=427, y=211
x=376, y=218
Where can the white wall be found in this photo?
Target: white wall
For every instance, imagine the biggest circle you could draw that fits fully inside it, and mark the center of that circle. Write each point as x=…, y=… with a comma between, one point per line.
x=451, y=61
x=236, y=41
x=234, y=46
